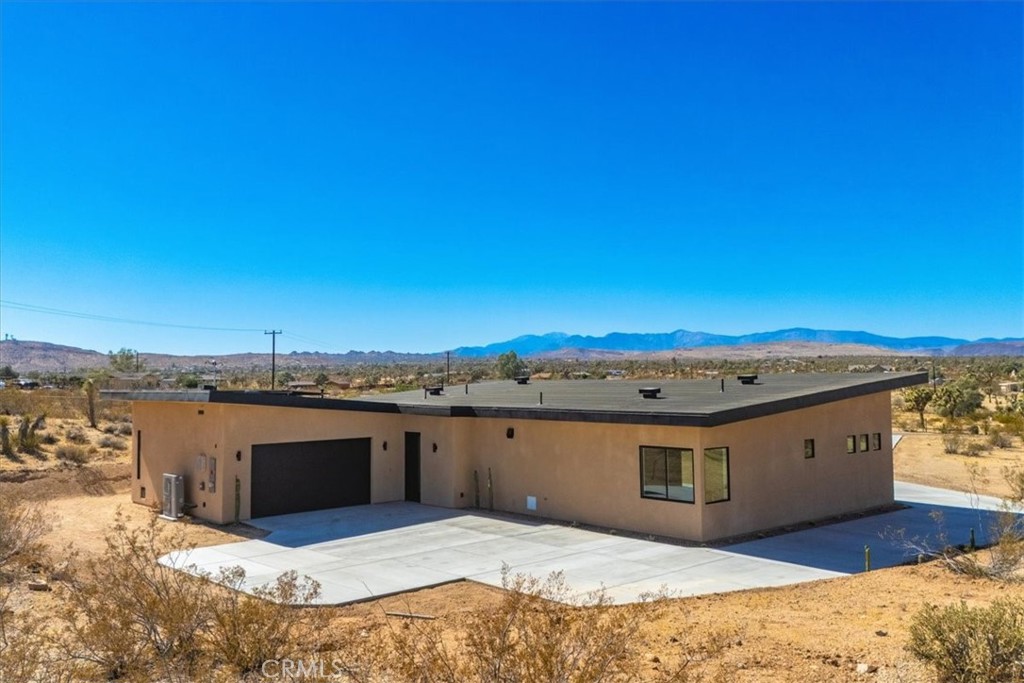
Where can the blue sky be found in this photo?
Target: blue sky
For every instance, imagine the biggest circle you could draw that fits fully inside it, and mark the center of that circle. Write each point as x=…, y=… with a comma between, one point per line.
x=421, y=176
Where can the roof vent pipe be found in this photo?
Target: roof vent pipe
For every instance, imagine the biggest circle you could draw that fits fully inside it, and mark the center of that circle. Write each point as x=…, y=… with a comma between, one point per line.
x=723, y=386
x=650, y=392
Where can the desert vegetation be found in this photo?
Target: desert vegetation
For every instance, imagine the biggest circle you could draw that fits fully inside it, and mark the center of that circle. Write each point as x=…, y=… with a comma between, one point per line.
x=109, y=610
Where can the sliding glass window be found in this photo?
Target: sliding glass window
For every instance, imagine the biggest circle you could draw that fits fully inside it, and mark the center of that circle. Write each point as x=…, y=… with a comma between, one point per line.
x=666, y=473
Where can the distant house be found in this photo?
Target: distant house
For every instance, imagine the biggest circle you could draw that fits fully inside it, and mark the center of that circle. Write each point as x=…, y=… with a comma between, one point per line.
x=133, y=380
x=691, y=459
x=871, y=368
x=1009, y=387
x=304, y=387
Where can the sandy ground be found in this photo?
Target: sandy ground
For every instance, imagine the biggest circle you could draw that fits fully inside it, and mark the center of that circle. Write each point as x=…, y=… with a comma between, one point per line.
x=819, y=631
x=919, y=459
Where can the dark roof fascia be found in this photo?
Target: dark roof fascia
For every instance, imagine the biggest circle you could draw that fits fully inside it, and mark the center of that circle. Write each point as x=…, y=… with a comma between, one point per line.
x=178, y=396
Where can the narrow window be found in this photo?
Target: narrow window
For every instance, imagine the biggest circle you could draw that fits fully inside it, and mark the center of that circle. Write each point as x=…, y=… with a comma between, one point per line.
x=851, y=443
x=863, y=443
x=666, y=473
x=138, y=455
x=808, y=448
x=876, y=441
x=716, y=475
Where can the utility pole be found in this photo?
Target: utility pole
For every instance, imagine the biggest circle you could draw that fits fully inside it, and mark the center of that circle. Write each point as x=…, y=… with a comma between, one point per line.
x=273, y=357
x=448, y=371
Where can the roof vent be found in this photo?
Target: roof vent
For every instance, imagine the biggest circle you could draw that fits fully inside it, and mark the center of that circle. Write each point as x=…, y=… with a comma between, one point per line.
x=650, y=392
x=747, y=379
x=435, y=390
x=522, y=379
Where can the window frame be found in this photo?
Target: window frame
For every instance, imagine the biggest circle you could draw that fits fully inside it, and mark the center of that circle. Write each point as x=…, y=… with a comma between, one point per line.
x=851, y=443
x=876, y=441
x=809, y=448
x=728, y=476
x=864, y=443
x=666, y=497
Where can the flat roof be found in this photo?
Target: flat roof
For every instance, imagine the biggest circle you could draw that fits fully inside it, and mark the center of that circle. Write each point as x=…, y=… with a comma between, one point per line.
x=697, y=403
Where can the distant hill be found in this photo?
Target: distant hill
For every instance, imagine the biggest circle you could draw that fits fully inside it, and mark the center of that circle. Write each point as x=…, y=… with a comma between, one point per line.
x=529, y=345
x=34, y=356
x=26, y=356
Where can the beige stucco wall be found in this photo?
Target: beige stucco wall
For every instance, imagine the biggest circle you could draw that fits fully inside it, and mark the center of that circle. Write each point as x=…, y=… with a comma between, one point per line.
x=584, y=472
x=578, y=471
x=771, y=482
x=175, y=434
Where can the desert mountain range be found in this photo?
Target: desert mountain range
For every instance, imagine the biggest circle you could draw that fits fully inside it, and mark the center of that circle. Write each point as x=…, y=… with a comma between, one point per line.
x=29, y=356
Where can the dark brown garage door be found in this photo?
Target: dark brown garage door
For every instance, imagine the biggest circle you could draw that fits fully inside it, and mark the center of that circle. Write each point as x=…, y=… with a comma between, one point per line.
x=309, y=475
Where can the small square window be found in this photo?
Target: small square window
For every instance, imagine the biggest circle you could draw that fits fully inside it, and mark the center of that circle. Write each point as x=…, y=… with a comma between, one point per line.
x=863, y=443
x=851, y=443
x=876, y=441
x=808, y=448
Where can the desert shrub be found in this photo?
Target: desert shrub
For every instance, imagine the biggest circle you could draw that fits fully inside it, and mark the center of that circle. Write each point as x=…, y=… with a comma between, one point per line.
x=76, y=435
x=973, y=449
x=998, y=439
x=22, y=525
x=112, y=442
x=49, y=439
x=247, y=630
x=1013, y=422
x=952, y=444
x=28, y=437
x=6, y=445
x=124, y=429
x=541, y=631
x=71, y=453
x=128, y=615
x=957, y=399
x=1004, y=557
x=125, y=615
x=971, y=644
x=110, y=429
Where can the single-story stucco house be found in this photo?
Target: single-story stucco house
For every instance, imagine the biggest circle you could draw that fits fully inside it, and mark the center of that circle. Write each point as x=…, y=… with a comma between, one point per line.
x=691, y=459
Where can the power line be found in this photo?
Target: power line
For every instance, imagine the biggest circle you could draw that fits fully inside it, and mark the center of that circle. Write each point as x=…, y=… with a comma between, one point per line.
x=111, y=319
x=314, y=342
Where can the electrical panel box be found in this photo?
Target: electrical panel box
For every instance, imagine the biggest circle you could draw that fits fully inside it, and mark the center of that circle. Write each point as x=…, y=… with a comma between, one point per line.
x=173, y=503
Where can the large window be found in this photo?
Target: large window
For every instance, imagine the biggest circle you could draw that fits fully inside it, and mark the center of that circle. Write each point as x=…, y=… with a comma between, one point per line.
x=667, y=473
x=716, y=475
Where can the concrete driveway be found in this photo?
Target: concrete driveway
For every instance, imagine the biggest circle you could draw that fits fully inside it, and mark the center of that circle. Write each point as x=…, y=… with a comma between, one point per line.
x=365, y=552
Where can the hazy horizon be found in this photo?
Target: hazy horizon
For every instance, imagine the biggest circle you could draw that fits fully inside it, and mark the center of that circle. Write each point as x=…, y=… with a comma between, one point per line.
x=181, y=177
